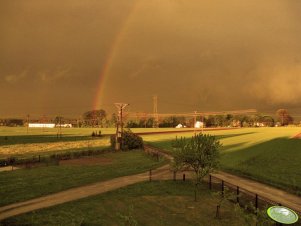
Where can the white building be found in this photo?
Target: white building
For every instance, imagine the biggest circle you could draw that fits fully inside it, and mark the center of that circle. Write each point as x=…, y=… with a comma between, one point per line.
x=198, y=124
x=64, y=125
x=41, y=125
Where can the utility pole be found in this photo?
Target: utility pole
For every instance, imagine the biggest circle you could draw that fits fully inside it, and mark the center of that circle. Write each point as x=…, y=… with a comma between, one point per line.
x=194, y=119
x=60, y=127
x=155, y=112
x=27, y=123
x=119, y=127
x=202, y=124
x=44, y=122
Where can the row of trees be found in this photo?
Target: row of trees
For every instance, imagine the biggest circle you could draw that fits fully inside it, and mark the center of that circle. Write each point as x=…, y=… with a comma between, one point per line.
x=100, y=118
x=282, y=118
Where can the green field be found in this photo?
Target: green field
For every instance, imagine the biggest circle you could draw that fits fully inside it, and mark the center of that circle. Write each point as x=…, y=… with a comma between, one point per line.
x=269, y=155
x=17, y=142
x=264, y=154
x=155, y=203
x=22, y=131
x=24, y=184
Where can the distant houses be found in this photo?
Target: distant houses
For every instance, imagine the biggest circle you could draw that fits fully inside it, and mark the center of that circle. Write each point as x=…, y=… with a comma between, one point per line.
x=48, y=125
x=41, y=125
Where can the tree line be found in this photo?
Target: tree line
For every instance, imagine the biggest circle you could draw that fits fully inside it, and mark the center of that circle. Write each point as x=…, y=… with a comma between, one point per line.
x=100, y=119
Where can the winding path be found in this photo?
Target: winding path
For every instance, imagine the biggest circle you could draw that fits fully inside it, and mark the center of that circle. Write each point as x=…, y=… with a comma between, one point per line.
x=162, y=173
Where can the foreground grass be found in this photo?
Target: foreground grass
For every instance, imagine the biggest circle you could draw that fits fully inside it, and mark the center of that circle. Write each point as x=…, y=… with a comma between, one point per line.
x=269, y=155
x=155, y=203
x=24, y=184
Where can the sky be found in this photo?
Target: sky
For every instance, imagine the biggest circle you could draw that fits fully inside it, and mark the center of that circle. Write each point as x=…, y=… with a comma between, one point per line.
x=65, y=57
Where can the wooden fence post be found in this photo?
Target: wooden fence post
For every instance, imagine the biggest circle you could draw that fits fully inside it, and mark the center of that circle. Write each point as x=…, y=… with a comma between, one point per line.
x=237, y=194
x=223, y=187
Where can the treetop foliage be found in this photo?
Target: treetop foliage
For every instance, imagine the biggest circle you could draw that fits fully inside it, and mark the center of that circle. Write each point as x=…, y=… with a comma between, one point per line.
x=201, y=153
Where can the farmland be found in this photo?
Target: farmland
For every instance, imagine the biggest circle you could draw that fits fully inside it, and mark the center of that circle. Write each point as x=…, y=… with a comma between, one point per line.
x=253, y=152
x=269, y=155
x=17, y=142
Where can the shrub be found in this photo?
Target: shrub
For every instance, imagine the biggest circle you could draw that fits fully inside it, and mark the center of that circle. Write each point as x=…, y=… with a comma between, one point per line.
x=130, y=141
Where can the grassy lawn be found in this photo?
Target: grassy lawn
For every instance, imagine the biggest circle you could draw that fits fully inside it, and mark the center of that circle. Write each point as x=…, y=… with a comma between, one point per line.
x=24, y=184
x=265, y=154
x=155, y=203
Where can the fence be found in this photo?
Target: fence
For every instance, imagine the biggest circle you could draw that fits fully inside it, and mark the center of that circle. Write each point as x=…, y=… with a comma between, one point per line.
x=243, y=196
x=30, y=161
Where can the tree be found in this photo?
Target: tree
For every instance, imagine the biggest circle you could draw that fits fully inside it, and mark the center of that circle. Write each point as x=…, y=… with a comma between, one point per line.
x=129, y=141
x=95, y=118
x=268, y=121
x=13, y=122
x=283, y=117
x=241, y=119
x=58, y=120
x=210, y=121
x=201, y=153
x=172, y=121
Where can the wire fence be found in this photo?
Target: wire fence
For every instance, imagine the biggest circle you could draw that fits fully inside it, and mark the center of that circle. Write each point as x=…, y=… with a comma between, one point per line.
x=243, y=196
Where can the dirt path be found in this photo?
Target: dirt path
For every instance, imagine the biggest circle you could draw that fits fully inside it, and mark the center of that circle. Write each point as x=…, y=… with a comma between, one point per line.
x=162, y=173
x=80, y=192
x=262, y=190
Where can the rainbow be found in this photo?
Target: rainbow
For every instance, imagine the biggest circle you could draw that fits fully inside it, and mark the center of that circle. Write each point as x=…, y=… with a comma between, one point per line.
x=105, y=71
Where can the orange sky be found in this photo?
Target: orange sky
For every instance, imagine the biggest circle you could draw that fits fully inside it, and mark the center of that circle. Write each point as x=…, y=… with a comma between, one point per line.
x=195, y=55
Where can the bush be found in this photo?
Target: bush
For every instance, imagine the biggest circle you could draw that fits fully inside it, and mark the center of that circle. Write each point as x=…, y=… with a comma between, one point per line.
x=130, y=141
x=96, y=134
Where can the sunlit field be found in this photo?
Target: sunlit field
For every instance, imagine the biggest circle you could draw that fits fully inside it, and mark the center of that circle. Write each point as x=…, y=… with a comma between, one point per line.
x=269, y=155
x=20, y=142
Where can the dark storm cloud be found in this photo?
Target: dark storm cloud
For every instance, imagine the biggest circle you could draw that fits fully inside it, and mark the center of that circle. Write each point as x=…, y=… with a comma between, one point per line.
x=214, y=55
x=196, y=55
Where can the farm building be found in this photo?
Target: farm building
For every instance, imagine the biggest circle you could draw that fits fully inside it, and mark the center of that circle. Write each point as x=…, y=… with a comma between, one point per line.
x=41, y=125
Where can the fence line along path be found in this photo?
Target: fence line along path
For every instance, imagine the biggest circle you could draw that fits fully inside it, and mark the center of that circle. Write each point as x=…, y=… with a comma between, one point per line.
x=264, y=191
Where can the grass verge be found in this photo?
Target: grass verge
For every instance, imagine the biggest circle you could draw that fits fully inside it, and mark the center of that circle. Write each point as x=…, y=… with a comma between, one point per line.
x=24, y=184
x=155, y=203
